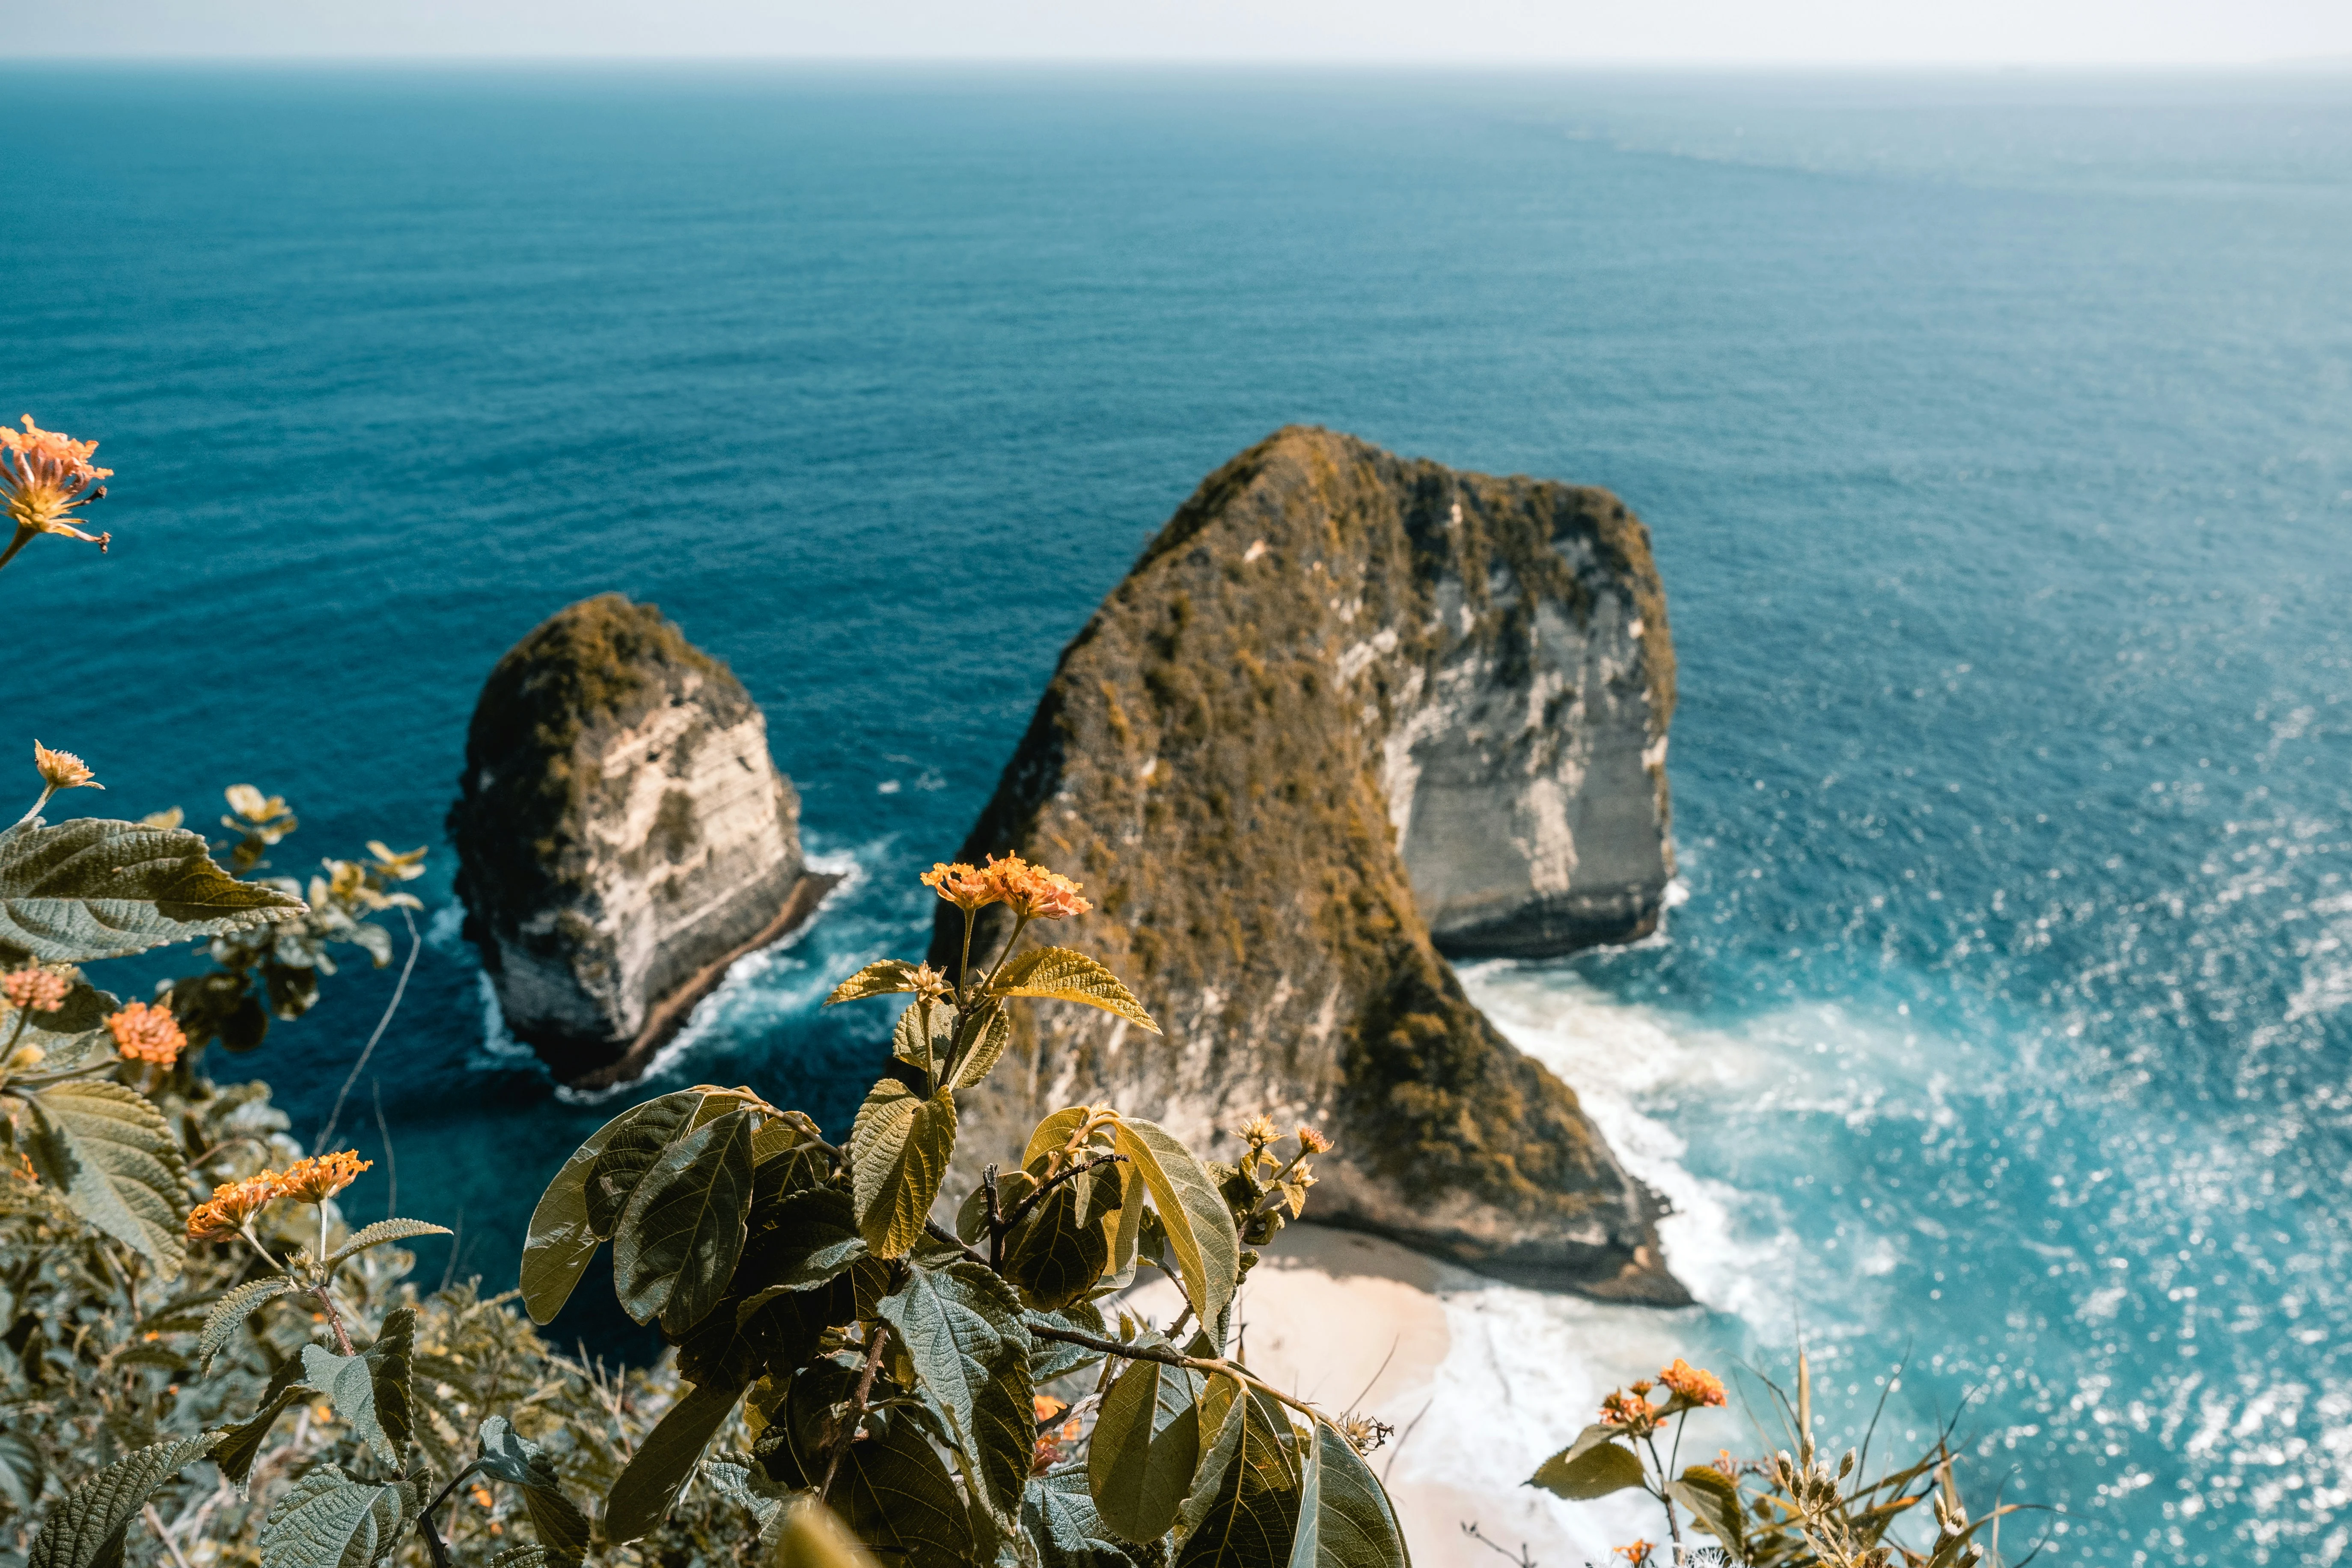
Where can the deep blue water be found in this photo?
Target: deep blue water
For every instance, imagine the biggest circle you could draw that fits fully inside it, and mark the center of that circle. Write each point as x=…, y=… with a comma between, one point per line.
x=1995, y=435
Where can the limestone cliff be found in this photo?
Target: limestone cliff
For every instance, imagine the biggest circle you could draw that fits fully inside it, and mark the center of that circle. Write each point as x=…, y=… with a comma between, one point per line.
x=1347, y=708
x=621, y=834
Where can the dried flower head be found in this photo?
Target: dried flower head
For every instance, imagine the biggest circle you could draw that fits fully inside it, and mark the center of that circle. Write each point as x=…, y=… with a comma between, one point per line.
x=319, y=1177
x=146, y=1032
x=1690, y=1385
x=406, y=865
x=1033, y=892
x=929, y=981
x=1313, y=1143
x=35, y=990
x=1257, y=1132
x=1364, y=1434
x=63, y=770
x=968, y=888
x=1629, y=1410
x=223, y=1215
x=45, y=477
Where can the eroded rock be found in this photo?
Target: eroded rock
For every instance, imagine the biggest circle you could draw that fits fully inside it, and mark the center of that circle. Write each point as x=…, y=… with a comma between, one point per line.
x=1347, y=708
x=623, y=834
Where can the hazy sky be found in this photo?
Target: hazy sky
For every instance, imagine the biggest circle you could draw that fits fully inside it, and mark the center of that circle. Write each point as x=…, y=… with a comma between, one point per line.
x=2055, y=32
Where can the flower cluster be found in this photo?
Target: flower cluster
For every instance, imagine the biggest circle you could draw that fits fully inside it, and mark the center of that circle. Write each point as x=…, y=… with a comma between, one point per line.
x=1690, y=1385
x=1029, y=890
x=312, y=1181
x=35, y=990
x=1637, y=1554
x=44, y=477
x=146, y=1032
x=1629, y=1410
x=1053, y=1446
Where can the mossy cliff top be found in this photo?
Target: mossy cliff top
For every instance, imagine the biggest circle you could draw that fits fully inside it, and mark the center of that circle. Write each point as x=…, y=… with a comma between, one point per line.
x=595, y=666
x=1209, y=758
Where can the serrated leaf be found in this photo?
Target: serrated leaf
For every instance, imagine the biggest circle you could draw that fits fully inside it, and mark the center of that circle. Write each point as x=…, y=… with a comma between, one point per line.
x=1251, y=1520
x=676, y=1248
x=67, y=1033
x=1713, y=1499
x=1068, y=1533
x=910, y=1043
x=1344, y=1517
x=1591, y=1467
x=634, y=1142
x=1050, y=1359
x=326, y=1520
x=94, y=889
x=880, y=978
x=380, y=1232
x=1200, y=1225
x=1054, y=1133
x=528, y=1557
x=984, y=1053
x=234, y=1309
x=370, y=1390
x=643, y=1491
x=810, y=1240
x=1065, y=974
x=241, y=1444
x=506, y=1455
x=1059, y=1250
x=115, y=1159
x=1146, y=1446
x=899, y=1151
x=88, y=1527
x=961, y=1327
x=560, y=1240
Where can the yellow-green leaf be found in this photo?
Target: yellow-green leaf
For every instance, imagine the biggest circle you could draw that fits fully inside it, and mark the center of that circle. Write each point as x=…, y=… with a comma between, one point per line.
x=94, y=889
x=877, y=979
x=1063, y=975
x=898, y=1150
x=116, y=1160
x=1199, y=1223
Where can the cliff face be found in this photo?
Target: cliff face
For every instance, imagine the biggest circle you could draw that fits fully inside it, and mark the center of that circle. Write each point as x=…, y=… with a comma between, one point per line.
x=622, y=833
x=1347, y=707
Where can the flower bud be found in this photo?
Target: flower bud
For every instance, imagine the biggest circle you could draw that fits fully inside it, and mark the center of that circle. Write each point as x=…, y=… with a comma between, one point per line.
x=63, y=770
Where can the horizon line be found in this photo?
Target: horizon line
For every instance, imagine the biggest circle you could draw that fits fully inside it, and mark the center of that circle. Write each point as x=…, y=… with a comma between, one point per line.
x=2334, y=62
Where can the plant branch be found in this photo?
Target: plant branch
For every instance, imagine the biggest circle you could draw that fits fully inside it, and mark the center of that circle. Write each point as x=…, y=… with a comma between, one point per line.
x=996, y=1226
x=875, y=1335
x=1021, y=1210
x=939, y=1232
x=414, y=942
x=1129, y=1350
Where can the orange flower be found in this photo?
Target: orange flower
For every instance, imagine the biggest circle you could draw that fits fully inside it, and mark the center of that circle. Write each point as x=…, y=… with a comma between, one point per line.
x=1629, y=1411
x=44, y=477
x=35, y=990
x=1636, y=1554
x=1690, y=1385
x=63, y=770
x=966, y=887
x=1313, y=1143
x=322, y=1176
x=231, y=1205
x=1046, y=1406
x=1033, y=892
x=147, y=1032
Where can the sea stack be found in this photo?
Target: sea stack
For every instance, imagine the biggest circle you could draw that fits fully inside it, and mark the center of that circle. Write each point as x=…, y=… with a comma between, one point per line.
x=622, y=835
x=1347, y=711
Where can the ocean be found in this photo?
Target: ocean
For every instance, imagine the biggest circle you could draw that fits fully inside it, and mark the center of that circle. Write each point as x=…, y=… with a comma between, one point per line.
x=1994, y=432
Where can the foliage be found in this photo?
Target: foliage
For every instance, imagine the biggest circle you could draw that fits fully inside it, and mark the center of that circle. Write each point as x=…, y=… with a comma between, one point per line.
x=1786, y=1511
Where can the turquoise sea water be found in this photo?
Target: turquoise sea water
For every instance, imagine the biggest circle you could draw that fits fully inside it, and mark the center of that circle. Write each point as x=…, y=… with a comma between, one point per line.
x=1995, y=435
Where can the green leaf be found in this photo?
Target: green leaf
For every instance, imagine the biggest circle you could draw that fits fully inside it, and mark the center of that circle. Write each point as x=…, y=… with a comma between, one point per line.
x=1063, y=975
x=1052, y=1133
x=1050, y=1359
x=234, y=1309
x=677, y=1245
x=1062, y=1521
x=1146, y=1446
x=326, y=1520
x=380, y=1232
x=507, y=1455
x=909, y=1043
x=961, y=1326
x=1713, y=1499
x=1199, y=1223
x=634, y=1141
x=560, y=1240
x=1060, y=1247
x=532, y=1556
x=370, y=1390
x=892, y=1490
x=810, y=1240
x=984, y=1053
x=114, y=1157
x=1591, y=1467
x=93, y=888
x=642, y=1494
x=241, y=1444
x=1219, y=1416
x=810, y=1535
x=898, y=1150
x=1252, y=1518
x=877, y=979
x=68, y=1032
x=22, y=1473
x=1344, y=1517
x=89, y=1526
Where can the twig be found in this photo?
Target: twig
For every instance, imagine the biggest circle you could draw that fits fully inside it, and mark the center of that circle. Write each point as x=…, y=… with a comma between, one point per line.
x=1021, y=1210
x=155, y=1523
x=1521, y=1557
x=415, y=942
x=391, y=1160
x=995, y=1216
x=1398, y=1447
x=1130, y=1351
x=875, y=1337
x=939, y=1232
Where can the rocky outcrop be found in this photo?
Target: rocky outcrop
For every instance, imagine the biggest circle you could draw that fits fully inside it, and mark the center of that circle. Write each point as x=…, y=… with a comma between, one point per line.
x=1346, y=709
x=622, y=833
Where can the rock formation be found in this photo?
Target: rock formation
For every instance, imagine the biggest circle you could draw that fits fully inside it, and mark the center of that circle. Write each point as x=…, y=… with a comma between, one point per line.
x=621, y=835
x=1347, y=709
